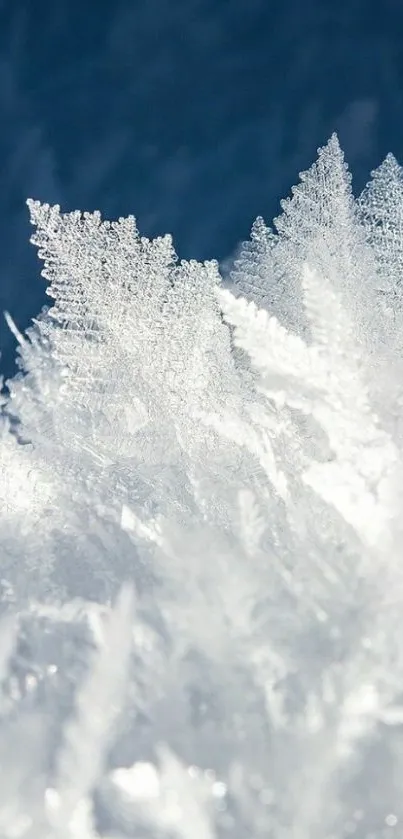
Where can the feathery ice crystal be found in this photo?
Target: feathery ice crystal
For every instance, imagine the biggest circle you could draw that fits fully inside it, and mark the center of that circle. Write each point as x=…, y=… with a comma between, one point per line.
x=201, y=494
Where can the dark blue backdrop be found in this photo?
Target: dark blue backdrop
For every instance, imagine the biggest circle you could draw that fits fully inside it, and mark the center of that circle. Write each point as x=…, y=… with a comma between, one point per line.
x=195, y=115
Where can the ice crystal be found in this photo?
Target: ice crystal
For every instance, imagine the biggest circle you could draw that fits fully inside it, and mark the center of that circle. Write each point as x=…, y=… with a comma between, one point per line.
x=200, y=498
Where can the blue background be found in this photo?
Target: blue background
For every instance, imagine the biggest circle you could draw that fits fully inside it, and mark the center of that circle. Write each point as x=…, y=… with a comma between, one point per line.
x=195, y=115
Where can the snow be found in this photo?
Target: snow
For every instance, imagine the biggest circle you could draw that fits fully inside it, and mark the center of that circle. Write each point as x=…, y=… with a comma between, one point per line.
x=200, y=496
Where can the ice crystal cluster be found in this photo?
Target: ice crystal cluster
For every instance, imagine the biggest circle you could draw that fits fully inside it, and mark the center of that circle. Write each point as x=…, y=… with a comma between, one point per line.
x=201, y=501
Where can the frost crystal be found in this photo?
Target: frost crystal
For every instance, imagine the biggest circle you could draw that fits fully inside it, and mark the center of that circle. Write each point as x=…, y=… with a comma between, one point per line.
x=200, y=496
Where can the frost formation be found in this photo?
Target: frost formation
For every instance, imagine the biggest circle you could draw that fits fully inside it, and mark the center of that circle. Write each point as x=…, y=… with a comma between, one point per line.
x=201, y=531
